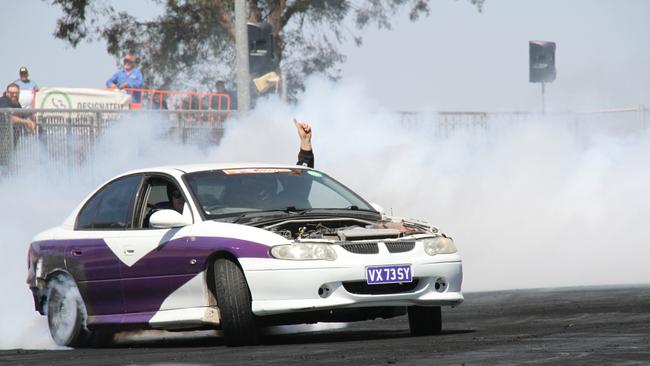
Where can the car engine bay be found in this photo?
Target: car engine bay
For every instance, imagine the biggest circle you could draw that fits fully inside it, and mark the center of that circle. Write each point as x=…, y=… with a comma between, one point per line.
x=348, y=229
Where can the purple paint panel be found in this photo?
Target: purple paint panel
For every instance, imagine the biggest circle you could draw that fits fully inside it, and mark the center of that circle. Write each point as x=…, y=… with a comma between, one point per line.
x=116, y=293
x=105, y=319
x=102, y=297
x=148, y=282
x=175, y=256
x=51, y=254
x=113, y=319
x=172, y=264
x=164, y=260
x=138, y=318
x=148, y=293
x=96, y=269
x=91, y=260
x=237, y=247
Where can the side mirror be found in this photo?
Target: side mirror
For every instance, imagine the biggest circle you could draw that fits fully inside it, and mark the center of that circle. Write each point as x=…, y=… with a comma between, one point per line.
x=378, y=208
x=166, y=219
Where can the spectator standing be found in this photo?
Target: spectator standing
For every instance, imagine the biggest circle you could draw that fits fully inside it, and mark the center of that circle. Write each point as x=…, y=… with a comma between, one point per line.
x=159, y=101
x=221, y=89
x=129, y=77
x=10, y=100
x=28, y=88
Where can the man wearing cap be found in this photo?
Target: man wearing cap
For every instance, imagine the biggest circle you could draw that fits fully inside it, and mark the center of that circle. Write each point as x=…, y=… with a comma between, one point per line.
x=128, y=77
x=27, y=87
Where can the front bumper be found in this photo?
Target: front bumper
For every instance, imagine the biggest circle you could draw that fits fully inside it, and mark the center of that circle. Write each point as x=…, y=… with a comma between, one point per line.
x=280, y=286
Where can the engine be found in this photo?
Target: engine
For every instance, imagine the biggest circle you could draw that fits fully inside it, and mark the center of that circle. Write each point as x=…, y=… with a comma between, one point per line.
x=347, y=229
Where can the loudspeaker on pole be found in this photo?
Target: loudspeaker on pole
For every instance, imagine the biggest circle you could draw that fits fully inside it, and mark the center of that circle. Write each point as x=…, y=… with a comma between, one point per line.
x=542, y=61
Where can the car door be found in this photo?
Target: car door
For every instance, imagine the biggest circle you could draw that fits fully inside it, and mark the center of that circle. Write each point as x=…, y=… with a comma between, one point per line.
x=90, y=258
x=154, y=265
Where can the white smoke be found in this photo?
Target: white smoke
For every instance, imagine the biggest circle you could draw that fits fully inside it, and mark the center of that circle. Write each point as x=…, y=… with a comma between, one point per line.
x=530, y=204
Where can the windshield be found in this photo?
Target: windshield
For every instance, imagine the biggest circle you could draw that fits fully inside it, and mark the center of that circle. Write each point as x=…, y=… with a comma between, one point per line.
x=233, y=192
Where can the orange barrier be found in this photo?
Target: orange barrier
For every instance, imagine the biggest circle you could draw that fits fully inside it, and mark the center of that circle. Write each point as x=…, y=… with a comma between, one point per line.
x=175, y=100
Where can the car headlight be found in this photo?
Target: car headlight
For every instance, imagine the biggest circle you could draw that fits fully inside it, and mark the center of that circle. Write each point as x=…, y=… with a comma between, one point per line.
x=304, y=252
x=439, y=245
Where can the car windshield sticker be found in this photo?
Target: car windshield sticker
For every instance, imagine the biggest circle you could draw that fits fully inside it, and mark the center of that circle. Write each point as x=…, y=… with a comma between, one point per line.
x=315, y=174
x=256, y=171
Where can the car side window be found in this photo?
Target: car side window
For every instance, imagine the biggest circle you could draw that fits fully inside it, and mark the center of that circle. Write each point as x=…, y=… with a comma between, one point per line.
x=87, y=214
x=158, y=194
x=111, y=207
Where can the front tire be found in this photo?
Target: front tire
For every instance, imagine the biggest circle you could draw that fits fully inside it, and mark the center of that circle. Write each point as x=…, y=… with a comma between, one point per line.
x=66, y=313
x=234, y=301
x=425, y=320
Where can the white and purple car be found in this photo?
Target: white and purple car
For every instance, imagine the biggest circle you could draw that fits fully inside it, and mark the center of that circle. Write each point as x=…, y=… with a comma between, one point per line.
x=236, y=248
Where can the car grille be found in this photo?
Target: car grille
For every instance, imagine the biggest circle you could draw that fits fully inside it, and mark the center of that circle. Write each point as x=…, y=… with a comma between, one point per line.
x=400, y=246
x=363, y=288
x=373, y=247
x=361, y=248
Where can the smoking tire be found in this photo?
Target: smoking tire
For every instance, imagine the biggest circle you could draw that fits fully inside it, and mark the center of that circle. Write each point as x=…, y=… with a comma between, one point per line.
x=66, y=313
x=234, y=301
x=425, y=320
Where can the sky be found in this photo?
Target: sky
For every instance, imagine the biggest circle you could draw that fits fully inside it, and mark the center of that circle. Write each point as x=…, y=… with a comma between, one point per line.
x=457, y=59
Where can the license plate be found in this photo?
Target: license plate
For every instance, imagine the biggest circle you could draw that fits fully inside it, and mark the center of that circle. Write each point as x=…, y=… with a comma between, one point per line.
x=394, y=273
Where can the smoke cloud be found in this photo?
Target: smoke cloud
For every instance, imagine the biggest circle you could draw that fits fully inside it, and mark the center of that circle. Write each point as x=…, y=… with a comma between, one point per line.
x=542, y=202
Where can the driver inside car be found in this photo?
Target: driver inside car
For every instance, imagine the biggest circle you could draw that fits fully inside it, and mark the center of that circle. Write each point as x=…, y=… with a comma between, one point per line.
x=175, y=200
x=255, y=192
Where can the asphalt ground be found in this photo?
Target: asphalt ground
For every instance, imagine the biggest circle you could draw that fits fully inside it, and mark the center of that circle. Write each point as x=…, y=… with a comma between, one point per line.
x=571, y=326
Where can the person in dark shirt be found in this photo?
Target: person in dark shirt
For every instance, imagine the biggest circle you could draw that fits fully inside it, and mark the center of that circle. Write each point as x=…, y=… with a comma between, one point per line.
x=159, y=101
x=306, y=154
x=10, y=100
x=221, y=89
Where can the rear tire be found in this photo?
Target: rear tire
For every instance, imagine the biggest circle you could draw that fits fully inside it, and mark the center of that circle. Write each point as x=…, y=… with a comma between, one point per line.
x=66, y=313
x=234, y=302
x=425, y=320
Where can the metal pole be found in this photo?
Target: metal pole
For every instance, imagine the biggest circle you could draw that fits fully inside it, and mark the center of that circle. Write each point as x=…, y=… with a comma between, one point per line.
x=543, y=98
x=8, y=137
x=642, y=115
x=241, y=45
x=283, y=92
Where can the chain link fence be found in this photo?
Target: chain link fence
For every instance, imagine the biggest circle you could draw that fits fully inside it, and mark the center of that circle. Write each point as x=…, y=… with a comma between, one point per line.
x=68, y=137
x=621, y=121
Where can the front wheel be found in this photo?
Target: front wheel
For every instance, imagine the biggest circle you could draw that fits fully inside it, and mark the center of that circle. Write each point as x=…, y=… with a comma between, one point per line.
x=425, y=320
x=234, y=302
x=66, y=313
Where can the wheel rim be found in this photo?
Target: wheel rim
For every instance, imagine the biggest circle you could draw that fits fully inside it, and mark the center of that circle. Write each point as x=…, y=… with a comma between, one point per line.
x=63, y=313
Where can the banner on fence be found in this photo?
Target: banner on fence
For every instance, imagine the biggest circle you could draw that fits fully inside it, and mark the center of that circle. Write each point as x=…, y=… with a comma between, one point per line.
x=81, y=98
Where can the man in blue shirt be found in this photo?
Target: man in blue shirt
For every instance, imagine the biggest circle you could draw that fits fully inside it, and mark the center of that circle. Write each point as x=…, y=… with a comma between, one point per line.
x=128, y=77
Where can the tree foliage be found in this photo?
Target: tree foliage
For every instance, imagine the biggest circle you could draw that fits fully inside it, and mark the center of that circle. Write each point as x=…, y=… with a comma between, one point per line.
x=191, y=43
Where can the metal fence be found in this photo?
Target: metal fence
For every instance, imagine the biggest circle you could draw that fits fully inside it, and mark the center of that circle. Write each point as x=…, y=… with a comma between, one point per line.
x=618, y=121
x=68, y=137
